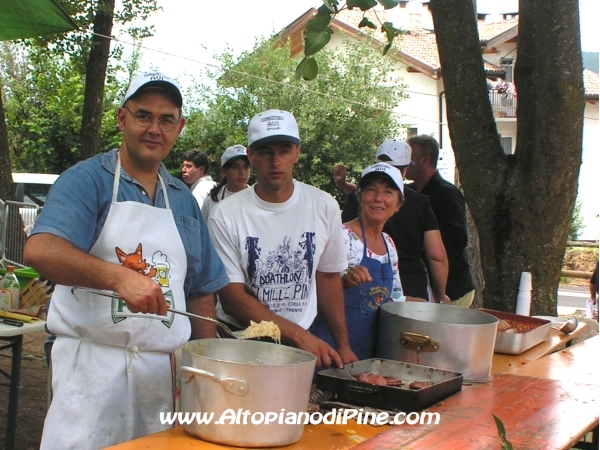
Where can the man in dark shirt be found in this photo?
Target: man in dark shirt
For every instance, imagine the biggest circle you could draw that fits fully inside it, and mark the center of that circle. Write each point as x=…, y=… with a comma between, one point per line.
x=594, y=289
x=448, y=205
x=413, y=229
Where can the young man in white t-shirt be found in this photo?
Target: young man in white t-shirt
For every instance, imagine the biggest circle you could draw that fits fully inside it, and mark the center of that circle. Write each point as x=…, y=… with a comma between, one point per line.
x=282, y=245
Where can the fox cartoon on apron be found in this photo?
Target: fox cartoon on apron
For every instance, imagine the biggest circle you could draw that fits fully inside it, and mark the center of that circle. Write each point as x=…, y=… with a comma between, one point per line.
x=112, y=370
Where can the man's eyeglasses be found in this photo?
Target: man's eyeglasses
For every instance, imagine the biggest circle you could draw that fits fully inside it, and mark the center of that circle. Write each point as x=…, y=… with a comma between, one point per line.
x=166, y=123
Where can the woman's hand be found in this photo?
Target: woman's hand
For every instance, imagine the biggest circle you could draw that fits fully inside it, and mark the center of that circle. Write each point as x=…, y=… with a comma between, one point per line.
x=355, y=276
x=446, y=300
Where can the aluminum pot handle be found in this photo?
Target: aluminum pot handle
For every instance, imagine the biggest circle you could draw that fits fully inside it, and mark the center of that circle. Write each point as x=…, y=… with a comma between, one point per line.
x=233, y=385
x=418, y=342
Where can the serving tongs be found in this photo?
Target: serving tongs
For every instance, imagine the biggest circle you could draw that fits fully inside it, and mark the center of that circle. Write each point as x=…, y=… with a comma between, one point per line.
x=235, y=334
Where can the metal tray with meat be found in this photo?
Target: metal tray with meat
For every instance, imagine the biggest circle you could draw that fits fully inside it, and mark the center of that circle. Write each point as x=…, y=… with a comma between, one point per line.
x=385, y=384
x=517, y=333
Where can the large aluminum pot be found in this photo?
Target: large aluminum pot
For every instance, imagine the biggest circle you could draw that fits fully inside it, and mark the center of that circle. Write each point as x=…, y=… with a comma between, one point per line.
x=437, y=335
x=234, y=376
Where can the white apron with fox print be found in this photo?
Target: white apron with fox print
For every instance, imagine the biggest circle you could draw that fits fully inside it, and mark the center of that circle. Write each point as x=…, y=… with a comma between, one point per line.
x=112, y=371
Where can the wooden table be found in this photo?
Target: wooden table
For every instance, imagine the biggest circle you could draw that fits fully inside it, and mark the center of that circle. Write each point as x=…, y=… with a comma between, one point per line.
x=578, y=363
x=553, y=413
x=550, y=403
x=537, y=414
x=314, y=437
x=14, y=336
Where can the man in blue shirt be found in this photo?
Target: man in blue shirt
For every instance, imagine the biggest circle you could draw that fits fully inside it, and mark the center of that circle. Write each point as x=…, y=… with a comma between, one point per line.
x=119, y=222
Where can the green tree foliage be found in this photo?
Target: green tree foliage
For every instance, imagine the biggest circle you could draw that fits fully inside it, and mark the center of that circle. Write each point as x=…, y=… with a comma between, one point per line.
x=44, y=82
x=78, y=45
x=576, y=222
x=43, y=105
x=318, y=32
x=343, y=114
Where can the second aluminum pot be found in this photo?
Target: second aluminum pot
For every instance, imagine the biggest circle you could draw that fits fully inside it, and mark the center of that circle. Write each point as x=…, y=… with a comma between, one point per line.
x=233, y=376
x=441, y=336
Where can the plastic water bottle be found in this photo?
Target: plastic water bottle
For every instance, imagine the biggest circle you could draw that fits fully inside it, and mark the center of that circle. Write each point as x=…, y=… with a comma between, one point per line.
x=9, y=290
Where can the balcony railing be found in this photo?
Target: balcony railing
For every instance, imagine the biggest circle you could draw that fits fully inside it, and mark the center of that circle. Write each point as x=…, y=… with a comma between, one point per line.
x=503, y=105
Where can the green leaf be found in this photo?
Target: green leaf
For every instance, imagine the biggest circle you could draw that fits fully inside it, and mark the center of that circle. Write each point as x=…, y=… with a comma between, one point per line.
x=388, y=4
x=316, y=36
x=323, y=15
x=500, y=426
x=308, y=69
x=363, y=5
x=390, y=31
x=331, y=5
x=367, y=23
x=502, y=433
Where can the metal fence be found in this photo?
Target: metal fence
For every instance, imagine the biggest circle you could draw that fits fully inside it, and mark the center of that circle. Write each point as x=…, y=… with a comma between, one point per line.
x=16, y=221
x=503, y=105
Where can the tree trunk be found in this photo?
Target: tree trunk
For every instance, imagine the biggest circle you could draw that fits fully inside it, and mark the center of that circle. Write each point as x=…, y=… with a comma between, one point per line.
x=473, y=251
x=474, y=255
x=95, y=75
x=521, y=203
x=6, y=187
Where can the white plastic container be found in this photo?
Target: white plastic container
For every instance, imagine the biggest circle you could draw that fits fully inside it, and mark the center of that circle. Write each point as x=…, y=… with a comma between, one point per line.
x=524, y=295
x=9, y=290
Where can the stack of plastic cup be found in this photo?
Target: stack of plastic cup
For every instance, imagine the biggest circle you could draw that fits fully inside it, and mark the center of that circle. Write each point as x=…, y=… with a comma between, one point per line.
x=524, y=296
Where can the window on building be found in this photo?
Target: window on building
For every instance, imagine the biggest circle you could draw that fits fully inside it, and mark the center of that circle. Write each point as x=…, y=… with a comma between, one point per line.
x=412, y=131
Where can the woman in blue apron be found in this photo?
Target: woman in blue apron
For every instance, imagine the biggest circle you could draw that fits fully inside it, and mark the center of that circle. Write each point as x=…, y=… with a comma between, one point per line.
x=372, y=277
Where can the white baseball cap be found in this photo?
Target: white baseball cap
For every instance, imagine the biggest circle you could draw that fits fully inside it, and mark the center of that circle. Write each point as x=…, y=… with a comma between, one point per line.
x=398, y=153
x=382, y=169
x=271, y=126
x=154, y=80
x=233, y=152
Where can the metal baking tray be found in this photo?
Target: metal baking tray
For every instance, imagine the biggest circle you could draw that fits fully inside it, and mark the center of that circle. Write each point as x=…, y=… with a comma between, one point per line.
x=344, y=386
x=516, y=343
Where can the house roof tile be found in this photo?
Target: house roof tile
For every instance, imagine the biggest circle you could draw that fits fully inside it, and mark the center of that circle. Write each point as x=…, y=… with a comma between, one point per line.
x=489, y=30
x=419, y=43
x=590, y=83
x=419, y=47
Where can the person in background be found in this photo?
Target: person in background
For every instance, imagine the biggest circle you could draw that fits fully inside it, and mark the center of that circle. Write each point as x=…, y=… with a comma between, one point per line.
x=119, y=222
x=372, y=277
x=448, y=205
x=235, y=172
x=194, y=172
x=282, y=245
x=422, y=257
x=594, y=289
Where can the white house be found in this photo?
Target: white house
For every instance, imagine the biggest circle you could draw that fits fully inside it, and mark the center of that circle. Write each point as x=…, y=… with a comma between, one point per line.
x=425, y=108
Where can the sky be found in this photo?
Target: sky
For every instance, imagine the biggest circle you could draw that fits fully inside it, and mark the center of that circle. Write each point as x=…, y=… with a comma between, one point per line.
x=189, y=32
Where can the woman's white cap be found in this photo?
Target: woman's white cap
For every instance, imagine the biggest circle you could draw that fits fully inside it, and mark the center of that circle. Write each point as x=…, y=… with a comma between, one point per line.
x=235, y=151
x=382, y=169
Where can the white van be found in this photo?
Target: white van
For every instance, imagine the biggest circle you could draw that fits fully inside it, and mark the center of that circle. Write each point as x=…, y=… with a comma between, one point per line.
x=32, y=188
